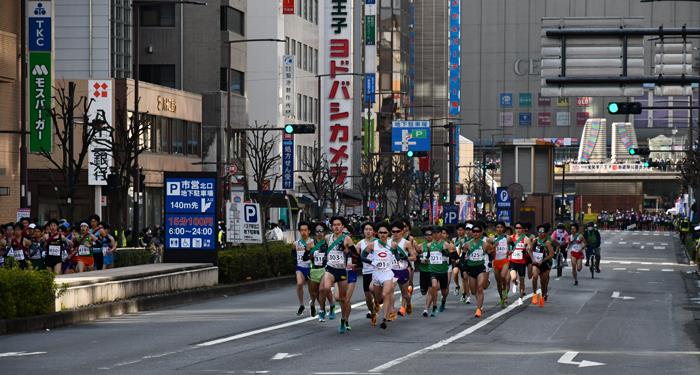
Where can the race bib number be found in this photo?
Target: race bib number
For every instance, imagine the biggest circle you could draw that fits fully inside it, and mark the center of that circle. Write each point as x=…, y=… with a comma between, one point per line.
x=517, y=254
x=318, y=259
x=105, y=250
x=501, y=250
x=19, y=254
x=83, y=250
x=382, y=264
x=54, y=250
x=576, y=248
x=335, y=259
x=537, y=257
x=477, y=256
x=300, y=257
x=435, y=258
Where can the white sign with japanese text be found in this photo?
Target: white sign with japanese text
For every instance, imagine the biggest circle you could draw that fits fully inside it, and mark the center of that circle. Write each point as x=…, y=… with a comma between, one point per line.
x=100, y=149
x=288, y=94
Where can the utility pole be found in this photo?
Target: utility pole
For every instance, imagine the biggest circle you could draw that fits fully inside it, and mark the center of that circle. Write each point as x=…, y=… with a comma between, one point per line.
x=452, y=161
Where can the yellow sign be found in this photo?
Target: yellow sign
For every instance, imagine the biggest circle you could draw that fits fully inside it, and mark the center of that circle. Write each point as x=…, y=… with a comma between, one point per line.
x=590, y=218
x=166, y=104
x=562, y=102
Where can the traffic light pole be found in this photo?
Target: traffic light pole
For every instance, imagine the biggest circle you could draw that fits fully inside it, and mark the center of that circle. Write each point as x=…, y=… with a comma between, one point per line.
x=452, y=162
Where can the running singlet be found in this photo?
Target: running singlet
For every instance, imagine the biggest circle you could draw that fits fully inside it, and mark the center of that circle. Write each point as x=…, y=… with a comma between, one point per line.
x=336, y=255
x=381, y=257
x=401, y=258
x=459, y=242
x=301, y=249
x=561, y=236
x=318, y=255
x=366, y=268
x=54, y=246
x=576, y=245
x=501, y=243
x=19, y=249
x=539, y=251
x=518, y=254
x=475, y=254
x=438, y=257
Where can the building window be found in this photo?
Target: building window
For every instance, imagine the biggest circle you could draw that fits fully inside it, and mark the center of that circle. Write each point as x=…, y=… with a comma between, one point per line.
x=300, y=165
x=305, y=56
x=315, y=61
x=162, y=15
x=311, y=110
x=316, y=111
x=293, y=48
x=299, y=106
x=299, y=56
x=178, y=136
x=163, y=75
x=233, y=20
x=316, y=12
x=164, y=124
x=299, y=8
x=237, y=81
x=286, y=46
x=194, y=138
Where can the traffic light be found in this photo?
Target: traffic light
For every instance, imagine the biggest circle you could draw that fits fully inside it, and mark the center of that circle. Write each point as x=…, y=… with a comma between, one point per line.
x=625, y=108
x=416, y=154
x=633, y=151
x=444, y=197
x=300, y=128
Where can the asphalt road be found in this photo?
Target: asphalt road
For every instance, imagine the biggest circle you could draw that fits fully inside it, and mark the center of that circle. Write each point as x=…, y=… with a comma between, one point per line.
x=636, y=317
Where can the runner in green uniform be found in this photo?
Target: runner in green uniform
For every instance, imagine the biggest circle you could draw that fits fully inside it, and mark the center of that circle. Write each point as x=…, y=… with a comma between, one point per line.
x=541, y=252
x=439, y=255
x=339, y=250
x=423, y=266
x=457, y=267
x=474, y=256
x=316, y=255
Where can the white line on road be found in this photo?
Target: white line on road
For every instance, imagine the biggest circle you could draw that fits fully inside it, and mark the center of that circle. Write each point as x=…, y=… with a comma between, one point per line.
x=267, y=329
x=620, y=269
x=448, y=340
x=19, y=354
x=646, y=263
x=607, y=243
x=659, y=247
x=636, y=243
x=642, y=269
x=622, y=243
x=279, y=356
x=650, y=243
x=667, y=270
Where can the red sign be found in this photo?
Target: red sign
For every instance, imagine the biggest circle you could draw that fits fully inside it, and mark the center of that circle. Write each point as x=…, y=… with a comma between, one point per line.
x=287, y=6
x=581, y=118
x=583, y=101
x=543, y=101
x=544, y=118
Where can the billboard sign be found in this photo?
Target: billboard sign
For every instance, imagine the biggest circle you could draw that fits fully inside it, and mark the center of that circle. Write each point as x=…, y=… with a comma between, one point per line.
x=454, y=62
x=100, y=149
x=288, y=161
x=40, y=77
x=503, y=205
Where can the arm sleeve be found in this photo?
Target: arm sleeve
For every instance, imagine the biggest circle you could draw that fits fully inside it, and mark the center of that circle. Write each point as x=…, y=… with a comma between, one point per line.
x=365, y=257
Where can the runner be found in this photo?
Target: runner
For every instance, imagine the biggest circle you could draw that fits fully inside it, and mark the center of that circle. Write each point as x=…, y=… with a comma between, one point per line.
x=36, y=250
x=440, y=253
x=19, y=248
x=318, y=257
x=97, y=231
x=576, y=246
x=473, y=256
x=83, y=242
x=517, y=261
x=541, y=252
x=54, y=243
x=404, y=253
x=353, y=265
x=423, y=266
x=367, y=270
x=340, y=245
x=109, y=247
x=303, y=267
x=502, y=244
x=560, y=239
x=408, y=235
x=381, y=257
x=457, y=266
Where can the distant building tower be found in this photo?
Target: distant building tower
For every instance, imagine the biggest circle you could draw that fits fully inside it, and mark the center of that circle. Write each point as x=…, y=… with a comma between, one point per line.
x=593, y=146
x=623, y=139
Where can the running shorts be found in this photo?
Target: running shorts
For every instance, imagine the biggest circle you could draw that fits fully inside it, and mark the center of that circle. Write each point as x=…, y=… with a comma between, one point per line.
x=518, y=267
x=545, y=266
x=352, y=276
x=316, y=275
x=108, y=259
x=475, y=271
x=424, y=282
x=577, y=255
x=339, y=274
x=401, y=276
x=366, y=281
x=500, y=263
x=88, y=261
x=441, y=278
x=379, y=278
x=304, y=271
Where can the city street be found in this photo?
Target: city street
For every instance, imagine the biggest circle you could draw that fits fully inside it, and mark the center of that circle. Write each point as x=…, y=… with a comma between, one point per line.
x=639, y=316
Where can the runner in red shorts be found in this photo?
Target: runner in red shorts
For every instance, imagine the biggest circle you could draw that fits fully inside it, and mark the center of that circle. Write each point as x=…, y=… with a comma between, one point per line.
x=576, y=247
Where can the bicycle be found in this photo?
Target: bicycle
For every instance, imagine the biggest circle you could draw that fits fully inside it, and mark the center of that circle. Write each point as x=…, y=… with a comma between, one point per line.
x=560, y=262
x=591, y=263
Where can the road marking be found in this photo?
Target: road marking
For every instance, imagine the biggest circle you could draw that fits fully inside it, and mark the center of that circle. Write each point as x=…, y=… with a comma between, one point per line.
x=620, y=269
x=622, y=243
x=448, y=340
x=659, y=247
x=19, y=354
x=642, y=247
x=267, y=329
x=568, y=359
x=642, y=269
x=625, y=262
x=636, y=243
x=607, y=243
x=646, y=263
x=667, y=270
x=664, y=243
x=650, y=243
x=279, y=356
x=617, y=296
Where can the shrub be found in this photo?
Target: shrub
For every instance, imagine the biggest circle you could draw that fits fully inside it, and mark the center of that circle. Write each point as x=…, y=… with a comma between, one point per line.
x=254, y=262
x=132, y=257
x=26, y=292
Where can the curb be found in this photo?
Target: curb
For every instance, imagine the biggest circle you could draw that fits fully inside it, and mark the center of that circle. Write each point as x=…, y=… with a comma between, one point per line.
x=136, y=304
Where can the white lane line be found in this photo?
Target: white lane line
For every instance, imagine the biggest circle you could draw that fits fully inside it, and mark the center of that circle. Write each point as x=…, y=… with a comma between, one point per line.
x=664, y=243
x=19, y=354
x=666, y=270
x=620, y=269
x=622, y=243
x=636, y=243
x=268, y=329
x=625, y=262
x=642, y=269
x=642, y=247
x=448, y=340
x=659, y=247
x=650, y=243
x=607, y=243
x=646, y=263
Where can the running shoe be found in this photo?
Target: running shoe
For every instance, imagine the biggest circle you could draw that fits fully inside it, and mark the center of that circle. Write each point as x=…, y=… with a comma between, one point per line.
x=463, y=299
x=597, y=270
x=347, y=326
x=369, y=315
x=514, y=288
x=575, y=282
x=425, y=313
x=383, y=325
x=468, y=301
x=503, y=302
x=392, y=316
x=402, y=311
x=373, y=320
x=535, y=299
x=322, y=316
x=410, y=289
x=313, y=310
x=520, y=301
x=477, y=314
x=341, y=327
x=542, y=299
x=409, y=309
x=456, y=292
x=331, y=315
x=434, y=312
x=442, y=307
x=301, y=310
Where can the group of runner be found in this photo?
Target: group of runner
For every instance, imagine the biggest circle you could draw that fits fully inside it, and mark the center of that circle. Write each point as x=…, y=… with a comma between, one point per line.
x=329, y=263
x=58, y=246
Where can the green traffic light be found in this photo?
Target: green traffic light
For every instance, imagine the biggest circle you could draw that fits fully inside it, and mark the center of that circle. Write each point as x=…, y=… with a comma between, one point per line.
x=632, y=151
x=646, y=164
x=409, y=154
x=289, y=129
x=613, y=107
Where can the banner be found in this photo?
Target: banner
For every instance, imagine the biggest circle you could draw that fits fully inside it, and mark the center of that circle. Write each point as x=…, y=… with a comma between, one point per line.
x=288, y=85
x=40, y=77
x=100, y=149
x=337, y=88
x=454, y=62
x=288, y=161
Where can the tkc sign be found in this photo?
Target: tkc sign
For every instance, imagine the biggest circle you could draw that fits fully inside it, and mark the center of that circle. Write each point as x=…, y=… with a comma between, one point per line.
x=503, y=205
x=40, y=80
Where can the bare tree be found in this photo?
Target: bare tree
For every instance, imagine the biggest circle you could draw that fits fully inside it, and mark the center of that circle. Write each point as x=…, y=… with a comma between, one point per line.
x=314, y=178
x=70, y=158
x=263, y=157
x=423, y=188
x=370, y=179
x=401, y=182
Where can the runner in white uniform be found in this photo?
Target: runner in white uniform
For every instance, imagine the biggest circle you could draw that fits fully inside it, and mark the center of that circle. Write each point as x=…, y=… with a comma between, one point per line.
x=367, y=270
x=404, y=252
x=381, y=257
x=303, y=267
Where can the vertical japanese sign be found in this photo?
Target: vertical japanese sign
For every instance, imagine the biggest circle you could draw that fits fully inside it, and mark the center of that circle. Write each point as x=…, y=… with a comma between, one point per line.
x=454, y=59
x=190, y=214
x=370, y=87
x=287, y=6
x=288, y=85
x=336, y=89
x=40, y=82
x=288, y=161
x=100, y=149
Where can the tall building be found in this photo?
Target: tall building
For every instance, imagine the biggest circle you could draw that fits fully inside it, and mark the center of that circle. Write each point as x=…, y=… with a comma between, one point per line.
x=9, y=109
